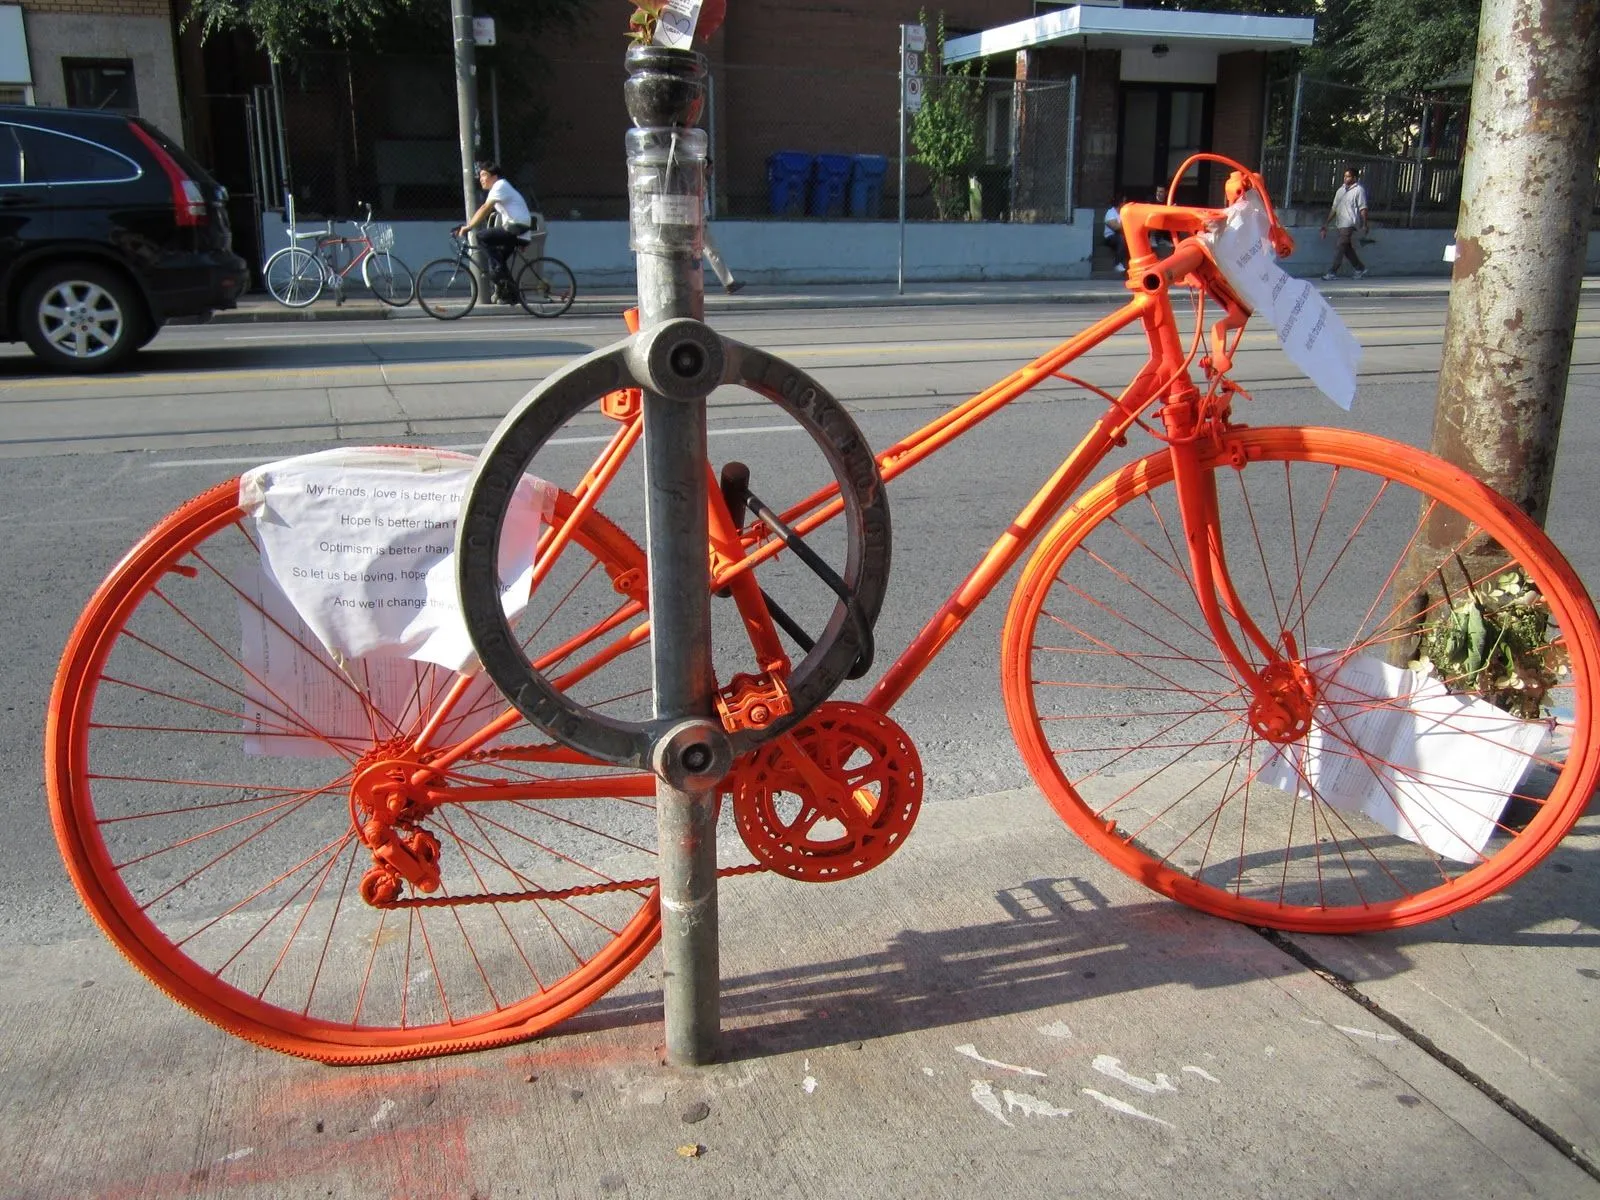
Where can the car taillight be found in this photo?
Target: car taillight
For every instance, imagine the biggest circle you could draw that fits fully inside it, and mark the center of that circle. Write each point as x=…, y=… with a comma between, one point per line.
x=188, y=201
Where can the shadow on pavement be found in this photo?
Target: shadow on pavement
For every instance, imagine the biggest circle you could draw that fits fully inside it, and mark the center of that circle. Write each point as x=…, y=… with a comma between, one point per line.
x=1062, y=941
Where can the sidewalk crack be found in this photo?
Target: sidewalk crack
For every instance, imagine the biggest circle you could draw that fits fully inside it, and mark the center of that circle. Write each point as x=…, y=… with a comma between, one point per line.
x=1428, y=1046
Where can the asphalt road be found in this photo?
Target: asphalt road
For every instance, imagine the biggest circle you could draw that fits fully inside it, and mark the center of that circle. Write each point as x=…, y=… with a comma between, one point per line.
x=91, y=463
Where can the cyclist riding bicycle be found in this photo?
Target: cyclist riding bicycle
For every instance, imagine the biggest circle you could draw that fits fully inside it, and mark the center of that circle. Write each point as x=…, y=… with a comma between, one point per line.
x=499, y=241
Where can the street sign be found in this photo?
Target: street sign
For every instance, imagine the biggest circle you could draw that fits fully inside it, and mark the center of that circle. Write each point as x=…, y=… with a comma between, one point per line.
x=915, y=38
x=913, y=63
x=913, y=93
x=483, y=31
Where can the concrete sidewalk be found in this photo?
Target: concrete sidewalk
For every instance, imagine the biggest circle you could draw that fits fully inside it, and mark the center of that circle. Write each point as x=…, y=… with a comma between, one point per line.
x=773, y=297
x=993, y=1012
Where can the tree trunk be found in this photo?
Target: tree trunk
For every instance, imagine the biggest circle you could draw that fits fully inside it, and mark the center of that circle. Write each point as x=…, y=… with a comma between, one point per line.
x=1521, y=240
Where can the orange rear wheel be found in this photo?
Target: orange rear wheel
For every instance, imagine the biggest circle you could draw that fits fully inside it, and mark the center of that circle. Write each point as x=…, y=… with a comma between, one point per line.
x=1342, y=547
x=224, y=856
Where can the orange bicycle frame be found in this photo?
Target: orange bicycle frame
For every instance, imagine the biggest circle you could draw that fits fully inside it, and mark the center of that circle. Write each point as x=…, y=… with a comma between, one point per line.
x=1164, y=385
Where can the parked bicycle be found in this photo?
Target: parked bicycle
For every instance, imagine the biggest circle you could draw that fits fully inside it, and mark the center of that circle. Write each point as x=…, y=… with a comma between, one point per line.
x=1270, y=672
x=449, y=288
x=296, y=276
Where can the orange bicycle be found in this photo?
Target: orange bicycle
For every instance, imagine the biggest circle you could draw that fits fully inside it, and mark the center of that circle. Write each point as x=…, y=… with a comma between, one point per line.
x=1304, y=678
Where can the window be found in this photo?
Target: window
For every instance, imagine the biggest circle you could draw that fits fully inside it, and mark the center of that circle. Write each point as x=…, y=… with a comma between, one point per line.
x=10, y=158
x=1001, y=124
x=105, y=83
x=15, y=93
x=63, y=159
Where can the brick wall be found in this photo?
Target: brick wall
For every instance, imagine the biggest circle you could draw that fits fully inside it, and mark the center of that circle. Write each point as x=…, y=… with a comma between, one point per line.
x=1237, y=115
x=811, y=75
x=119, y=8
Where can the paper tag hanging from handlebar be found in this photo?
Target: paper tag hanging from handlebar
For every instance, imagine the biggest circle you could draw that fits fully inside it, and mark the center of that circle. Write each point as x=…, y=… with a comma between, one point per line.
x=1310, y=332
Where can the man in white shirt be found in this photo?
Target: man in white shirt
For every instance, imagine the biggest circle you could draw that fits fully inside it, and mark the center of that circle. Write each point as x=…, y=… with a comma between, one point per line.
x=506, y=203
x=1111, y=234
x=1349, y=217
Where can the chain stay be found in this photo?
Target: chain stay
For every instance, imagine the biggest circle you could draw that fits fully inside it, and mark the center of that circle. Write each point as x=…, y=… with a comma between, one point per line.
x=593, y=889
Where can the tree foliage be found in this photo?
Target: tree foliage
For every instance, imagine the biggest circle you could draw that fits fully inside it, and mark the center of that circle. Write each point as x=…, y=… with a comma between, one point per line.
x=281, y=27
x=287, y=27
x=944, y=135
x=1377, y=45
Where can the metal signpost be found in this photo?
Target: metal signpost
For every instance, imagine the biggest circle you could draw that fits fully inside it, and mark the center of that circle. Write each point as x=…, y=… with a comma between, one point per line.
x=913, y=41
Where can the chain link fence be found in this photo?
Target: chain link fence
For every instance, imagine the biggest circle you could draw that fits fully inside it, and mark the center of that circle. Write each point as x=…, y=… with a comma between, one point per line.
x=381, y=129
x=787, y=143
x=1408, y=148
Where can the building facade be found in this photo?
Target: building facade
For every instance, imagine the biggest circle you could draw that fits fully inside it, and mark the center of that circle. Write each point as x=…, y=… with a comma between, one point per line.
x=109, y=54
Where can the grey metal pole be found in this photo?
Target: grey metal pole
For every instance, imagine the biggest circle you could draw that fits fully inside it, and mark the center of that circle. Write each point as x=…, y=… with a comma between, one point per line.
x=494, y=112
x=466, y=100
x=900, y=277
x=1416, y=179
x=1294, y=142
x=1072, y=148
x=278, y=129
x=666, y=189
x=712, y=147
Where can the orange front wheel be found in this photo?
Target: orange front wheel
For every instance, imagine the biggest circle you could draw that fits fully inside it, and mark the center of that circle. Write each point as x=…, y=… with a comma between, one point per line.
x=1349, y=788
x=215, y=785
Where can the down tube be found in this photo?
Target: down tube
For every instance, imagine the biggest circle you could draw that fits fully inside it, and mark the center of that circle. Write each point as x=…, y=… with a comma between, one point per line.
x=1107, y=430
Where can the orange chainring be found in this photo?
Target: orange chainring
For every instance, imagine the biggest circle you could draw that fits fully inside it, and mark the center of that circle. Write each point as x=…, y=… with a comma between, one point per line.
x=842, y=809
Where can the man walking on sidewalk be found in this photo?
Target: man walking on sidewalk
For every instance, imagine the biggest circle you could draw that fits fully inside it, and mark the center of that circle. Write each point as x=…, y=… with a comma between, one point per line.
x=1349, y=217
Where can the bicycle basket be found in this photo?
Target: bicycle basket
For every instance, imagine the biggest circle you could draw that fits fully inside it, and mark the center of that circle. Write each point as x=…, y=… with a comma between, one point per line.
x=382, y=237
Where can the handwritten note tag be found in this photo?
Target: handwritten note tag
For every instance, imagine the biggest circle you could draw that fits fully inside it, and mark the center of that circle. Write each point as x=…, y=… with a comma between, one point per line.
x=675, y=25
x=1310, y=332
x=362, y=543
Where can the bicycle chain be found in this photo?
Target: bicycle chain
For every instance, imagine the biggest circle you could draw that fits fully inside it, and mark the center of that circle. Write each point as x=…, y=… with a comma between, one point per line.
x=593, y=889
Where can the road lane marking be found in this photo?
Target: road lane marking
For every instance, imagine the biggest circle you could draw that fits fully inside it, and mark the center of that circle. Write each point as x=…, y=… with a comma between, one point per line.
x=475, y=447
x=1255, y=339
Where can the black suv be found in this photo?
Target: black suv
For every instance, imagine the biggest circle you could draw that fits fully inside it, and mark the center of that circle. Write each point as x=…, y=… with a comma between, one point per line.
x=107, y=230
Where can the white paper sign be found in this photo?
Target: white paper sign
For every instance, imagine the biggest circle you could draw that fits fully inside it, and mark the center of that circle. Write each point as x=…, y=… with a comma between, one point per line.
x=361, y=541
x=674, y=209
x=1436, y=769
x=675, y=25
x=298, y=703
x=1310, y=332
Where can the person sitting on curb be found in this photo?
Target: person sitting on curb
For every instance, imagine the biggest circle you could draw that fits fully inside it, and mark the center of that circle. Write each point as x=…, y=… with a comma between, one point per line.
x=500, y=241
x=1112, y=235
x=1349, y=216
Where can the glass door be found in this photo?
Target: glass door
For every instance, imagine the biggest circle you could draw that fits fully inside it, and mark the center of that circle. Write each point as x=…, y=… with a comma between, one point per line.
x=1161, y=124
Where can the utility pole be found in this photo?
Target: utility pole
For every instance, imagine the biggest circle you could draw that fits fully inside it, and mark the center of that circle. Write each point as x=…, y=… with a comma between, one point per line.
x=1527, y=191
x=466, y=101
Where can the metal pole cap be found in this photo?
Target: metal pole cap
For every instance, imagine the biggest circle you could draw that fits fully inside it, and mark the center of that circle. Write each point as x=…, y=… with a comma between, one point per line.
x=692, y=756
x=681, y=359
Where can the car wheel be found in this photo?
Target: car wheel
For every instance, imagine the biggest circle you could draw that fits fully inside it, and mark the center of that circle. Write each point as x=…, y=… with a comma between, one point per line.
x=78, y=317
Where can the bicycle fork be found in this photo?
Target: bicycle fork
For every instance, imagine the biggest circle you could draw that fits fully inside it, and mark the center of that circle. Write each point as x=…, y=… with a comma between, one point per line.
x=1283, y=690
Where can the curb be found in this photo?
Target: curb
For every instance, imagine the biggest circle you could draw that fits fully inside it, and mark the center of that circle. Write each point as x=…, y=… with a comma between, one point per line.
x=611, y=304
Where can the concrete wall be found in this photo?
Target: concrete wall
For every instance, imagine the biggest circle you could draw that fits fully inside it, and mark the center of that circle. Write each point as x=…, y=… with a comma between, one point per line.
x=795, y=252
x=142, y=37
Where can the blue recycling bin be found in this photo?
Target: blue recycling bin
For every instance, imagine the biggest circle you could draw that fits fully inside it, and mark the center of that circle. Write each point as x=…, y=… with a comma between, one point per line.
x=788, y=178
x=829, y=183
x=866, y=184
